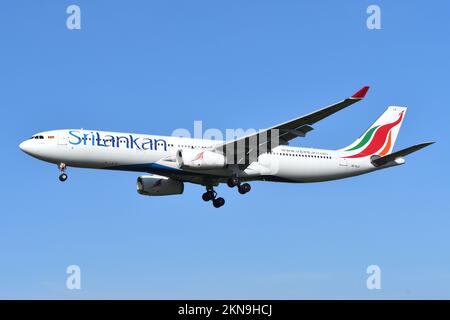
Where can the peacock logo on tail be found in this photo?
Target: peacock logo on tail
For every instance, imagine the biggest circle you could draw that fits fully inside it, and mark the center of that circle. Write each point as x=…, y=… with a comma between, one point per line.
x=377, y=140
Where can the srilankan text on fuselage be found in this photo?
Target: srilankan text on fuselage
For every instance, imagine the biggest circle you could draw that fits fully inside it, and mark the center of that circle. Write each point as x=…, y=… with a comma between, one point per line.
x=128, y=141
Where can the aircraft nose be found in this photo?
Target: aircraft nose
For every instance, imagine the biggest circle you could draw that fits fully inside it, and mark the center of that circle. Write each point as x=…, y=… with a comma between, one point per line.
x=25, y=146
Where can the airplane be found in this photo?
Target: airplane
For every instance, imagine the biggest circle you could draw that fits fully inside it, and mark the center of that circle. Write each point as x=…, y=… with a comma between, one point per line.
x=261, y=156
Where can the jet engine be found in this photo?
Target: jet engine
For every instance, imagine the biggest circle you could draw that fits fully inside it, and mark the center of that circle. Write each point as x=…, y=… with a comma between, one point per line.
x=199, y=159
x=158, y=186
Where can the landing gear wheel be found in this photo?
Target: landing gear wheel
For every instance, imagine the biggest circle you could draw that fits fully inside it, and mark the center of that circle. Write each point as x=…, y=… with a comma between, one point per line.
x=63, y=176
x=233, y=182
x=208, y=195
x=211, y=194
x=218, y=202
x=244, y=188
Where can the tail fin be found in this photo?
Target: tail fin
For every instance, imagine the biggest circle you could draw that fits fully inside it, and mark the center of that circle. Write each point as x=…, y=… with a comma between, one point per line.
x=380, y=138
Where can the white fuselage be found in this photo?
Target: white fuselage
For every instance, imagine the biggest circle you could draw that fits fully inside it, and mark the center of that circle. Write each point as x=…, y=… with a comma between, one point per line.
x=156, y=154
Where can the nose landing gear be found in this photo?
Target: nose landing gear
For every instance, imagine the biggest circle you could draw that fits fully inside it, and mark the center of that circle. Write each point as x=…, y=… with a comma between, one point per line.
x=62, y=168
x=211, y=194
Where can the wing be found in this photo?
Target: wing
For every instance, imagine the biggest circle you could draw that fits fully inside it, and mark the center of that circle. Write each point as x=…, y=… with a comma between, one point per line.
x=246, y=149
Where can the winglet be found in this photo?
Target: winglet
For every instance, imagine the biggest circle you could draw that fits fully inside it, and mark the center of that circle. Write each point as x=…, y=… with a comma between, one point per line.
x=361, y=93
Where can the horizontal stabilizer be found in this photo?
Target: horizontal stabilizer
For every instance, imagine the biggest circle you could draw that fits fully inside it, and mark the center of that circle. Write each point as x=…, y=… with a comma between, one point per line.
x=379, y=161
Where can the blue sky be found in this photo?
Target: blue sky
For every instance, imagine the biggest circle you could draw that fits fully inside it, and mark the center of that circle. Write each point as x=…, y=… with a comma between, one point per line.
x=154, y=66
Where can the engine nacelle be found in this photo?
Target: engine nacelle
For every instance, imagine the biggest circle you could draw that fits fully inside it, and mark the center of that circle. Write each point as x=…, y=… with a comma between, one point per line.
x=199, y=159
x=158, y=186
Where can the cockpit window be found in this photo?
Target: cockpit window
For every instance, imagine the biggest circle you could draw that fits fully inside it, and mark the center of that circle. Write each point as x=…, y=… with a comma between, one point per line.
x=37, y=137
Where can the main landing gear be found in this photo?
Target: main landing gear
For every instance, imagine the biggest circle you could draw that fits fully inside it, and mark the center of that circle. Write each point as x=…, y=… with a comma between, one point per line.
x=210, y=194
x=62, y=168
x=232, y=182
x=242, y=188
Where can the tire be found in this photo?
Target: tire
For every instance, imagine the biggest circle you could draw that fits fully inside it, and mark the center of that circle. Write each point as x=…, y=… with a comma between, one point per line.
x=232, y=182
x=244, y=188
x=62, y=177
x=208, y=195
x=218, y=202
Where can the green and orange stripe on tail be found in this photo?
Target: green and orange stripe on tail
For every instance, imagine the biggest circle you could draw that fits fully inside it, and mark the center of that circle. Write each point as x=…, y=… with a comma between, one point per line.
x=375, y=139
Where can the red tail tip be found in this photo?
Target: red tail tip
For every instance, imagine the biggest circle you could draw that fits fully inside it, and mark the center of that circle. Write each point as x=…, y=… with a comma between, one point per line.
x=361, y=93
